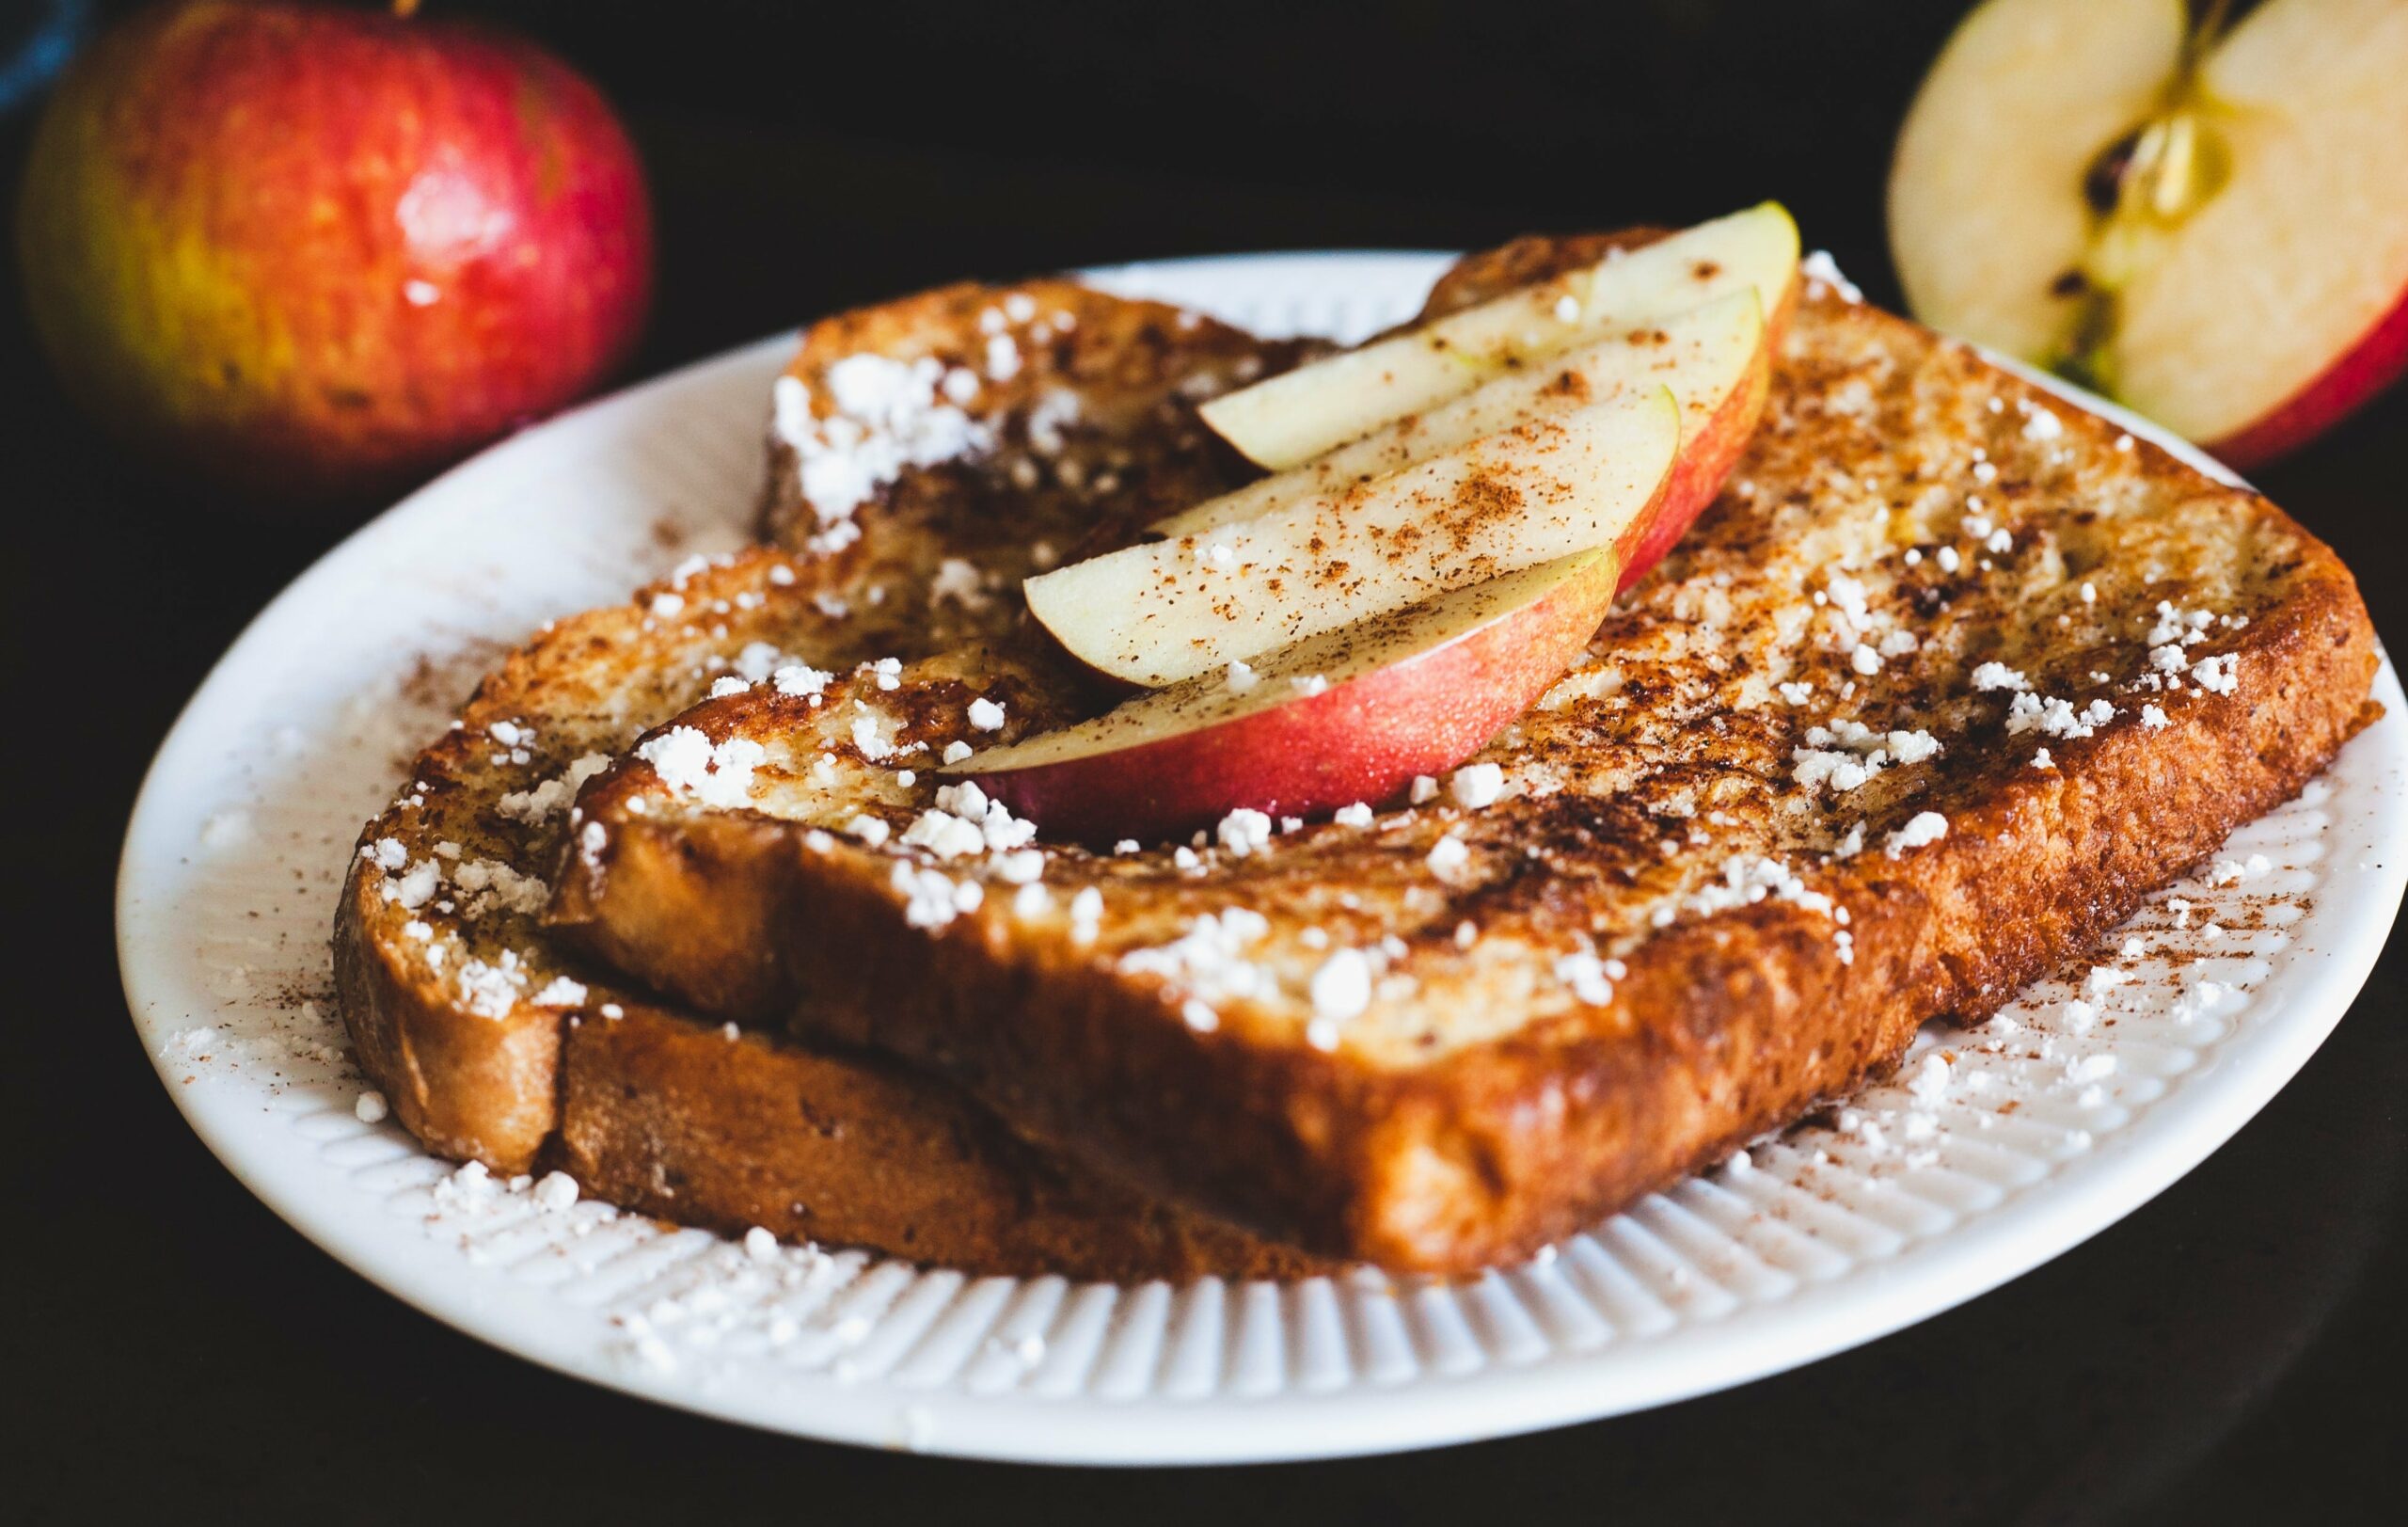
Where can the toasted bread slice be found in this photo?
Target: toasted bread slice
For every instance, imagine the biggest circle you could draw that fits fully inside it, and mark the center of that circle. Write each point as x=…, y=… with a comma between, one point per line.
x=496, y=1044
x=1947, y=680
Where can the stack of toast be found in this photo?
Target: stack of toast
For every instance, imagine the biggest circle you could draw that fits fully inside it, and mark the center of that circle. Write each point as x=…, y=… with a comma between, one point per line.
x=694, y=904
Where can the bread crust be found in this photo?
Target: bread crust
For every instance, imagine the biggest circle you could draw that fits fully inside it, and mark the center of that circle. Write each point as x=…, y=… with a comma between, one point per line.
x=1722, y=1027
x=665, y=1116
x=659, y=1110
x=469, y=1087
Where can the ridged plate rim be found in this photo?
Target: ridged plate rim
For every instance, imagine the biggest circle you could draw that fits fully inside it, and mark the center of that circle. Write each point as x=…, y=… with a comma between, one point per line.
x=251, y=1127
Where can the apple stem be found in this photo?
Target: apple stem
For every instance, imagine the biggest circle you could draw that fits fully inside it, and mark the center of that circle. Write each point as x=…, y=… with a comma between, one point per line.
x=2210, y=21
x=404, y=9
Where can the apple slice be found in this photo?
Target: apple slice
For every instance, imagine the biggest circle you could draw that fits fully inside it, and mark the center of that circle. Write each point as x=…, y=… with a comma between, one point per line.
x=2211, y=226
x=1298, y=415
x=1351, y=714
x=1716, y=359
x=1165, y=610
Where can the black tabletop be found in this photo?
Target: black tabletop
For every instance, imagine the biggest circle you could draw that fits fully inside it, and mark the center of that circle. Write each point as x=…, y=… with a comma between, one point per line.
x=2228, y=1353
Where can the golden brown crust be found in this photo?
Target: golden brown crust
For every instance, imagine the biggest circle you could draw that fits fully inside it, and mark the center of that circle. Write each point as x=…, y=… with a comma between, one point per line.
x=673, y=1117
x=662, y=1112
x=470, y=1087
x=1524, y=262
x=1751, y=1020
x=1134, y=371
x=1747, y=1019
x=1722, y=1024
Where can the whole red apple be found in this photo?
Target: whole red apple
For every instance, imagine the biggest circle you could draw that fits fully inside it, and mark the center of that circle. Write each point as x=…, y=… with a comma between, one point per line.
x=314, y=252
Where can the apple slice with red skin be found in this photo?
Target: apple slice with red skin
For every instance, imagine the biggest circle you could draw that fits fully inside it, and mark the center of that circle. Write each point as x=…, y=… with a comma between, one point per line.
x=2211, y=226
x=1157, y=613
x=1351, y=714
x=1296, y=416
x=1716, y=359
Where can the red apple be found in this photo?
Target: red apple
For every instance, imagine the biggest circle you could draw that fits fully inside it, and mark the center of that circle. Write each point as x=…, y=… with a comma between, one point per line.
x=1157, y=613
x=2210, y=222
x=1716, y=359
x=316, y=252
x=1352, y=714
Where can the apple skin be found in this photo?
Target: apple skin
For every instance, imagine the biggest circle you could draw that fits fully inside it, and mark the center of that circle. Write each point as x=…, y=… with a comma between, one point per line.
x=314, y=253
x=1708, y=451
x=2372, y=364
x=1362, y=738
x=2255, y=278
x=1705, y=460
x=1161, y=611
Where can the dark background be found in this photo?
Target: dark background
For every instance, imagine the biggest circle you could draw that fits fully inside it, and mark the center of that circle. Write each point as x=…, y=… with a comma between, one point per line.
x=2232, y=1352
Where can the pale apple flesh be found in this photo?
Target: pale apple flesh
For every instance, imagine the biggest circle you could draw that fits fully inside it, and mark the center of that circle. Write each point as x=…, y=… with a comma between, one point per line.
x=1352, y=714
x=2365, y=368
x=1710, y=447
x=1155, y=613
x=1299, y=415
x=1716, y=359
x=1986, y=192
x=2283, y=275
x=2212, y=228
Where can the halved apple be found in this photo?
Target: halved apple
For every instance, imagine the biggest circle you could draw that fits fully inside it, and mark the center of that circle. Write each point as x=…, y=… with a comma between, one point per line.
x=1298, y=415
x=2209, y=225
x=1352, y=714
x=1716, y=360
x=1155, y=613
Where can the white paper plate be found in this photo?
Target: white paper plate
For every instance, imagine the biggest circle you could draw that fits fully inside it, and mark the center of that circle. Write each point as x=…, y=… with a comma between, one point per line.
x=1824, y=1241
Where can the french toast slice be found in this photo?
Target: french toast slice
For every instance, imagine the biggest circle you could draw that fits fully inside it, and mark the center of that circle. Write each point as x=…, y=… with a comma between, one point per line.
x=495, y=1043
x=1950, y=677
